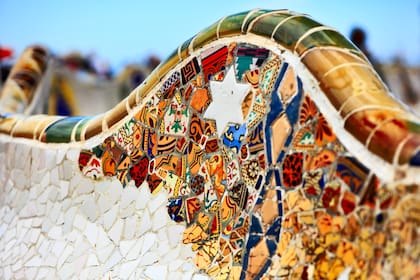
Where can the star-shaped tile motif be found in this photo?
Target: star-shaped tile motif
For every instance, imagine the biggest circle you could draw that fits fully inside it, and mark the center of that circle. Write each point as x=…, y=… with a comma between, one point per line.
x=226, y=106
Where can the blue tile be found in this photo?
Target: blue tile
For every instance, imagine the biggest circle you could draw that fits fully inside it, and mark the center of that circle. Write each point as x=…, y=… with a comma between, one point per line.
x=175, y=209
x=276, y=108
x=259, y=182
x=274, y=229
x=415, y=160
x=272, y=246
x=255, y=225
x=277, y=174
x=280, y=205
x=234, y=136
x=293, y=107
x=251, y=243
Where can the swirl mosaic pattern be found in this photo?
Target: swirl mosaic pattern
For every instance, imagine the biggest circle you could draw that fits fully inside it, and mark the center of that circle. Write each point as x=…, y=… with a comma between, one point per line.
x=269, y=141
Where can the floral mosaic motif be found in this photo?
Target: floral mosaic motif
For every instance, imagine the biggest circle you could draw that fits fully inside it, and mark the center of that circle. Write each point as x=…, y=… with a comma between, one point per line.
x=270, y=194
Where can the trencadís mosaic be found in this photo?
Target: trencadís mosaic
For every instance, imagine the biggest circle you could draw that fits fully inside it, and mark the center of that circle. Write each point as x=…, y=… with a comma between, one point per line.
x=256, y=173
x=264, y=147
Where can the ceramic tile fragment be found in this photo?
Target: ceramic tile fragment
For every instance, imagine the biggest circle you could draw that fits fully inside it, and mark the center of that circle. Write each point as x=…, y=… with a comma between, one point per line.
x=135, y=250
x=116, y=231
x=228, y=95
x=89, y=208
x=158, y=222
x=130, y=226
x=110, y=216
x=145, y=223
x=156, y=272
x=104, y=253
x=91, y=232
x=149, y=258
x=149, y=240
x=128, y=268
x=113, y=260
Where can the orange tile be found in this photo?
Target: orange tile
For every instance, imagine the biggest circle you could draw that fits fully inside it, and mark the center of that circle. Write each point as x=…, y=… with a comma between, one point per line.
x=257, y=257
x=269, y=209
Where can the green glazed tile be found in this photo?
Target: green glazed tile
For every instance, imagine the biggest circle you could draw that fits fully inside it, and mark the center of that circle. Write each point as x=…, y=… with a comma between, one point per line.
x=60, y=131
x=150, y=82
x=324, y=38
x=173, y=55
x=231, y=25
x=253, y=16
x=168, y=64
x=80, y=127
x=266, y=25
x=289, y=33
x=183, y=53
x=413, y=127
x=205, y=36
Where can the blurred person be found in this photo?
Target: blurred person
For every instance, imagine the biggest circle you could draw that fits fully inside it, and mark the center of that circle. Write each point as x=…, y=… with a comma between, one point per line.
x=358, y=37
x=153, y=62
x=4, y=73
x=134, y=74
x=6, y=53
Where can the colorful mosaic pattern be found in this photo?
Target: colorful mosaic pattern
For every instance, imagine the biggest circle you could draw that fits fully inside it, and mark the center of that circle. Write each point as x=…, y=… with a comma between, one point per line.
x=282, y=158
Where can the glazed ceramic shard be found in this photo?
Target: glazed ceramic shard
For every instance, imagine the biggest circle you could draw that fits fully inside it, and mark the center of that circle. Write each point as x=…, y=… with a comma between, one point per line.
x=264, y=147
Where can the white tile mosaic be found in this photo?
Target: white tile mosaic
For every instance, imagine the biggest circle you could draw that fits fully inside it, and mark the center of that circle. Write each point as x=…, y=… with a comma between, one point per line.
x=116, y=231
x=54, y=223
x=110, y=216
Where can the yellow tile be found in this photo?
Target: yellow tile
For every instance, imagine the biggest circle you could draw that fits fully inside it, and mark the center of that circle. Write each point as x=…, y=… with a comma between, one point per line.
x=289, y=257
x=341, y=83
x=7, y=124
x=32, y=126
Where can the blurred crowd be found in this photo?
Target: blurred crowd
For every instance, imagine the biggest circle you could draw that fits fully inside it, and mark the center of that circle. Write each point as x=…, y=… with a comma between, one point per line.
x=84, y=84
x=88, y=64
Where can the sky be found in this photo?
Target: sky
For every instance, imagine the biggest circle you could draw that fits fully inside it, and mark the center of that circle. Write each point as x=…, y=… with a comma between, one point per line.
x=122, y=32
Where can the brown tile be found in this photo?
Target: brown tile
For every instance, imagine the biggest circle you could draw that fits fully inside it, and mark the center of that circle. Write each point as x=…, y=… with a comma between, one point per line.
x=361, y=124
x=116, y=114
x=387, y=137
x=33, y=126
x=92, y=128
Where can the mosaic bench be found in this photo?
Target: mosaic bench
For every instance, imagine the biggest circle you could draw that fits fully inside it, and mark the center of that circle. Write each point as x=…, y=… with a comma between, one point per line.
x=264, y=147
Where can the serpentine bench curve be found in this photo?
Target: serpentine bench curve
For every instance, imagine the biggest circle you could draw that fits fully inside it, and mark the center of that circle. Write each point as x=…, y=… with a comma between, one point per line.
x=266, y=146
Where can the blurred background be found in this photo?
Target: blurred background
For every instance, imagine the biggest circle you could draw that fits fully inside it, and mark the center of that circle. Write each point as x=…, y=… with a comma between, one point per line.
x=106, y=48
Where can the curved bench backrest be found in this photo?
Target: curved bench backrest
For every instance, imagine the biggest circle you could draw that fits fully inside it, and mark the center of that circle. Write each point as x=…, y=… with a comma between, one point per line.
x=273, y=138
